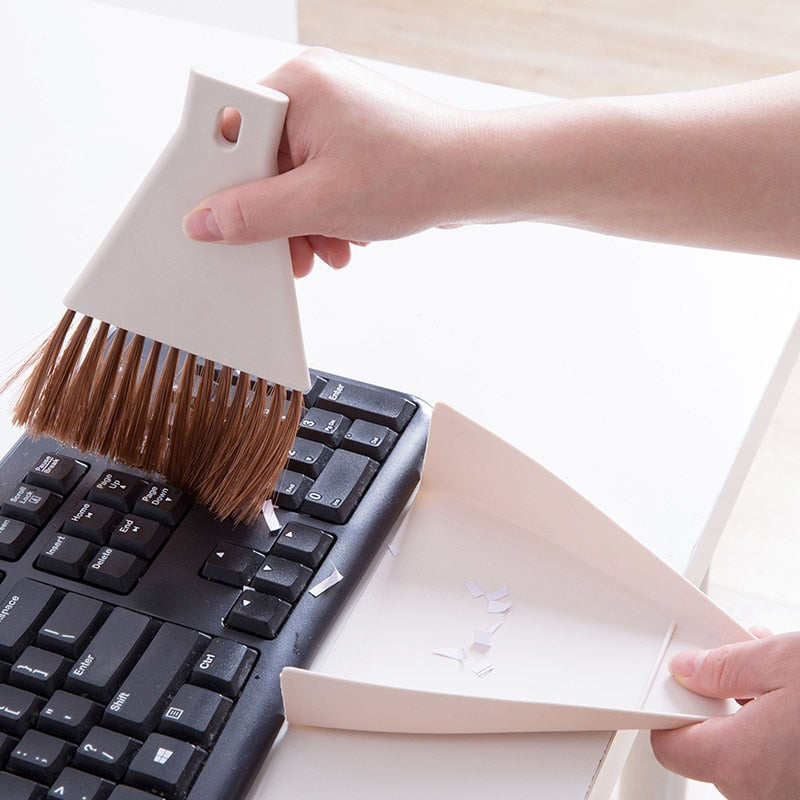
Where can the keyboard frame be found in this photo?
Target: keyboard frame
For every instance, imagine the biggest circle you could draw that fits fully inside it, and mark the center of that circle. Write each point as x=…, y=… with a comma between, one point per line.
x=172, y=588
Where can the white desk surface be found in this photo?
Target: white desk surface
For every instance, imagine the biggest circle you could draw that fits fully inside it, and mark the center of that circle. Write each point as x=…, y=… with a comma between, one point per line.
x=642, y=374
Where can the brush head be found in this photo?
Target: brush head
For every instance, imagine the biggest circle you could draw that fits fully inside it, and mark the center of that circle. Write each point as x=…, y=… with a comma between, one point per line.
x=186, y=359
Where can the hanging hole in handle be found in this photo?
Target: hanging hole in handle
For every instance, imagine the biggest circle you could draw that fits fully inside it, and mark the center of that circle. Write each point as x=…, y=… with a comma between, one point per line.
x=230, y=123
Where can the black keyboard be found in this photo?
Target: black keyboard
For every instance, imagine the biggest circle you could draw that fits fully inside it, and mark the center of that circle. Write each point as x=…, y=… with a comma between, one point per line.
x=141, y=639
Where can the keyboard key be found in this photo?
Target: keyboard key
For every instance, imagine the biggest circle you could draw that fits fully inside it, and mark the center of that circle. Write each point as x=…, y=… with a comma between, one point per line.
x=18, y=710
x=68, y=716
x=324, y=427
x=195, y=715
x=165, y=764
x=40, y=756
x=12, y=787
x=66, y=555
x=317, y=385
x=92, y=522
x=291, y=489
x=72, y=784
x=7, y=744
x=38, y=671
x=338, y=489
x=56, y=472
x=15, y=536
x=281, y=577
x=140, y=536
x=303, y=544
x=117, y=490
x=99, y=670
x=369, y=439
x=22, y=611
x=106, y=753
x=363, y=402
x=162, y=667
x=259, y=614
x=31, y=504
x=224, y=666
x=114, y=569
x=308, y=457
x=69, y=627
x=163, y=504
x=232, y=564
x=129, y=793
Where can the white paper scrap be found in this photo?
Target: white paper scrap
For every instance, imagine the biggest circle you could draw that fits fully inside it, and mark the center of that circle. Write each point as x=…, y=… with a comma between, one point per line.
x=482, y=638
x=498, y=594
x=456, y=653
x=474, y=589
x=270, y=517
x=326, y=583
x=498, y=606
x=483, y=668
x=394, y=550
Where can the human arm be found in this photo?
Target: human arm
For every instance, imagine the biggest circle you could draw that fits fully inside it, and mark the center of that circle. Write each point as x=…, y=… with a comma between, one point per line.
x=367, y=159
x=752, y=754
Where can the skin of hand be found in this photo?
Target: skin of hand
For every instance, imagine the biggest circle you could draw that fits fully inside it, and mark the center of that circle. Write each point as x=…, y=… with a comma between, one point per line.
x=364, y=159
x=752, y=754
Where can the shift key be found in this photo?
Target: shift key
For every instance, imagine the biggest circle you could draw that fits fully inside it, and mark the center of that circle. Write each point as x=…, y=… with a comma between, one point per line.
x=135, y=709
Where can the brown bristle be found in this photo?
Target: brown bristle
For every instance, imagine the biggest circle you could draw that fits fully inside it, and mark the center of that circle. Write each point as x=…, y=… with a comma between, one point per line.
x=220, y=435
x=203, y=411
x=118, y=407
x=130, y=435
x=211, y=445
x=180, y=438
x=40, y=364
x=74, y=404
x=46, y=416
x=157, y=430
x=229, y=442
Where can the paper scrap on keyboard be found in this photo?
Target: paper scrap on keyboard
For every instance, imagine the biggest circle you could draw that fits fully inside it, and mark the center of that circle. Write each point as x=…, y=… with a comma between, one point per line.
x=270, y=516
x=326, y=583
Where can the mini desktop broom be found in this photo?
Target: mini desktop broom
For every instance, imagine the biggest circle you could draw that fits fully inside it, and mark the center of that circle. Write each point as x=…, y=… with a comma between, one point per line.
x=176, y=357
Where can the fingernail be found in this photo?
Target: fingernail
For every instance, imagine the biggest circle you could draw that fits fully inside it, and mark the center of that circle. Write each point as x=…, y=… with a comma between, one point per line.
x=202, y=226
x=686, y=663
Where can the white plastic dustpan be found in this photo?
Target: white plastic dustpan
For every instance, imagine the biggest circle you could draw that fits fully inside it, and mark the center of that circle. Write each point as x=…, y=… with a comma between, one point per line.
x=508, y=603
x=233, y=305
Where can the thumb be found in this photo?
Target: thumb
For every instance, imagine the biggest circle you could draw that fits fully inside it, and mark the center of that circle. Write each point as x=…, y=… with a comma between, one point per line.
x=254, y=212
x=746, y=669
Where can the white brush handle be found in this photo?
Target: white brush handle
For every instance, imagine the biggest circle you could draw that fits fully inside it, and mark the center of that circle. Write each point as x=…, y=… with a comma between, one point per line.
x=235, y=305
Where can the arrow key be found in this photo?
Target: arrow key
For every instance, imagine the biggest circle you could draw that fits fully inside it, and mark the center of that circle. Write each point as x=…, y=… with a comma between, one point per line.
x=259, y=614
x=232, y=564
